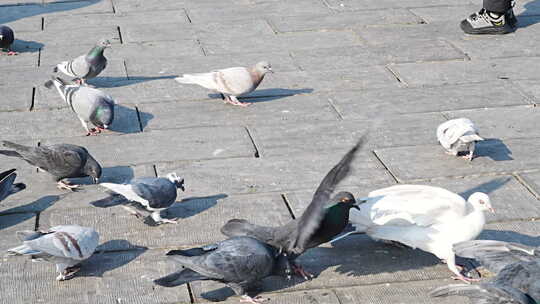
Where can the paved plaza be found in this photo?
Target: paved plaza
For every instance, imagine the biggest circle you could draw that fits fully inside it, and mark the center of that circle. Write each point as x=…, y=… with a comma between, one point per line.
x=394, y=69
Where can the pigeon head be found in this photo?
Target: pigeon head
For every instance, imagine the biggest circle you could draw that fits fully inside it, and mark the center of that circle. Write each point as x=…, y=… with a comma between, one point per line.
x=263, y=67
x=92, y=169
x=176, y=180
x=480, y=201
x=103, y=116
x=345, y=198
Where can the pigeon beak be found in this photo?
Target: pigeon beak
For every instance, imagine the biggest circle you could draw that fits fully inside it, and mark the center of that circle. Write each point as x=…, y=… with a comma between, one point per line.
x=270, y=70
x=491, y=209
x=356, y=207
x=105, y=126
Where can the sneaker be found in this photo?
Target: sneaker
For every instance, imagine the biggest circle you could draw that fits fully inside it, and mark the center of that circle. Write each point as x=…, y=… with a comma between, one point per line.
x=484, y=23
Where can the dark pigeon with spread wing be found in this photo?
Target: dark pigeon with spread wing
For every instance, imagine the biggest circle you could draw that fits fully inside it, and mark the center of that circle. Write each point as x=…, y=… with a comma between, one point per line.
x=240, y=262
x=323, y=219
x=61, y=161
x=154, y=194
x=7, y=184
x=518, y=273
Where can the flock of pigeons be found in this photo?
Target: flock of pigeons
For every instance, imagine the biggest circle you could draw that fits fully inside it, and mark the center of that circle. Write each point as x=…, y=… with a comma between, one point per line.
x=429, y=218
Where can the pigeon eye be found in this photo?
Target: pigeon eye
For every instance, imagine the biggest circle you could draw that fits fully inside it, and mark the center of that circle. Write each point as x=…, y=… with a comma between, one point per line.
x=482, y=202
x=344, y=200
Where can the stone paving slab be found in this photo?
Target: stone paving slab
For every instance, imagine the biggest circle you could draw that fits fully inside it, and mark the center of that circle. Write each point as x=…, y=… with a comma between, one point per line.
x=442, y=73
x=175, y=145
x=342, y=21
x=271, y=174
x=200, y=218
x=354, y=5
x=403, y=130
x=16, y=98
x=61, y=123
x=262, y=111
x=494, y=156
x=163, y=49
x=531, y=88
x=371, y=104
x=510, y=122
x=24, y=58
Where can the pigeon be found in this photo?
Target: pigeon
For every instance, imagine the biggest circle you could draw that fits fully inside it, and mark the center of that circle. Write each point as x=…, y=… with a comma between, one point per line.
x=66, y=246
x=89, y=104
x=424, y=217
x=323, y=219
x=61, y=161
x=7, y=186
x=86, y=66
x=153, y=194
x=459, y=137
x=517, y=267
x=240, y=262
x=231, y=82
x=6, y=40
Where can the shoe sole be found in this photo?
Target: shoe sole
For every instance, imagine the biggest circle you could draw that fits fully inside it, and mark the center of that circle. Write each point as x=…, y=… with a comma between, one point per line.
x=465, y=26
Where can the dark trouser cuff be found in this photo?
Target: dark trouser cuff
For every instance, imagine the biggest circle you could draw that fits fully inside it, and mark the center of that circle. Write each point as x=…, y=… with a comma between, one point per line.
x=497, y=6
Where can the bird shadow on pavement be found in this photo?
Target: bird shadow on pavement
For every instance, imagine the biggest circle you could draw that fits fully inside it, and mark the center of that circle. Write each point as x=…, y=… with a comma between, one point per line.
x=265, y=95
x=493, y=148
x=191, y=206
x=115, y=82
x=129, y=119
x=487, y=187
x=117, y=174
x=102, y=261
x=25, y=46
x=12, y=12
x=530, y=15
x=19, y=214
x=356, y=256
x=510, y=236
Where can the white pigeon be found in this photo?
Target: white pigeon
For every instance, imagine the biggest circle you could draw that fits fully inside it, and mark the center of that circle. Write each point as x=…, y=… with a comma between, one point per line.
x=459, y=136
x=231, y=82
x=429, y=218
x=66, y=246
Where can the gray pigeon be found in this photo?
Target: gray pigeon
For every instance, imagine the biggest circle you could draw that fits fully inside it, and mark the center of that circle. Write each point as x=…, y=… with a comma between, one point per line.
x=231, y=82
x=61, y=161
x=7, y=186
x=240, y=262
x=86, y=66
x=517, y=267
x=6, y=40
x=459, y=137
x=66, y=246
x=323, y=219
x=90, y=105
x=154, y=194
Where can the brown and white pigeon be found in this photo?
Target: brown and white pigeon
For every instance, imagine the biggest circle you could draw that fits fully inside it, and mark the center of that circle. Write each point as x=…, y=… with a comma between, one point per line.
x=231, y=82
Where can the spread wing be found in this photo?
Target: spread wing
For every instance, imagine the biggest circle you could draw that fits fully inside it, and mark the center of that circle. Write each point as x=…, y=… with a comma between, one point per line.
x=311, y=218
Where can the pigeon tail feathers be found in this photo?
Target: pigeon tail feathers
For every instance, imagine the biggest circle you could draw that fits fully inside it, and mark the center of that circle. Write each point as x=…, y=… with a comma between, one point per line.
x=206, y=80
x=180, y=277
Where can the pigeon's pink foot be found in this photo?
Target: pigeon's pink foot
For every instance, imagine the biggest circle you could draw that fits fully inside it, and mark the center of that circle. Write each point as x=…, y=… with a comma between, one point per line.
x=234, y=101
x=255, y=300
x=465, y=279
x=66, y=186
x=94, y=132
x=299, y=270
x=12, y=53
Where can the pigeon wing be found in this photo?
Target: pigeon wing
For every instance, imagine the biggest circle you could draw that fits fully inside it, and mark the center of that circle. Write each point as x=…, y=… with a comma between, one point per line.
x=159, y=192
x=311, y=219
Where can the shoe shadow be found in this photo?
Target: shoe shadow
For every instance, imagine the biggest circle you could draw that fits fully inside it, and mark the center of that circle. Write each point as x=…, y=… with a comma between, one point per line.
x=25, y=46
x=531, y=14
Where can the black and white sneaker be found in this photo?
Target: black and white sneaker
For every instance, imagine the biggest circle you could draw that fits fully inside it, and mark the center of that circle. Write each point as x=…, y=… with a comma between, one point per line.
x=484, y=22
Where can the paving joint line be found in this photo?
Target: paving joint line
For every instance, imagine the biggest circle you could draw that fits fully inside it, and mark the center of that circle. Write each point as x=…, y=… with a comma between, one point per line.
x=119, y=34
x=187, y=15
x=257, y=153
x=154, y=167
x=385, y=167
x=525, y=184
x=190, y=292
x=396, y=75
x=113, y=7
x=287, y=204
x=422, y=20
x=455, y=47
x=32, y=102
x=139, y=120
x=334, y=107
